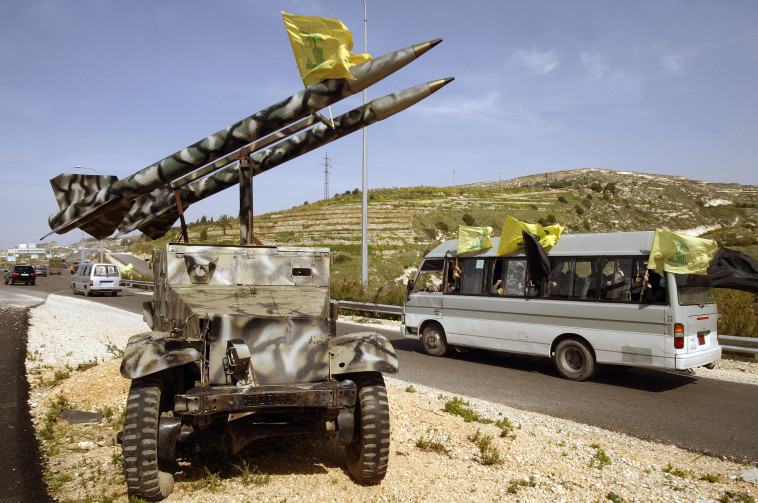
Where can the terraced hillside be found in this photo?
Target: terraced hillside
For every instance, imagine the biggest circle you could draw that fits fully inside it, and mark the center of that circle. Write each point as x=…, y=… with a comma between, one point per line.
x=404, y=223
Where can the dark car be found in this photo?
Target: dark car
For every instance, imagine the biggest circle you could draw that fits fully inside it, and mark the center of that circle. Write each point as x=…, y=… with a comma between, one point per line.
x=20, y=274
x=40, y=270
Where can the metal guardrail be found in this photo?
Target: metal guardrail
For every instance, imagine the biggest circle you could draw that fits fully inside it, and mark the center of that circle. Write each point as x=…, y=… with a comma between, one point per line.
x=736, y=344
x=132, y=282
x=373, y=308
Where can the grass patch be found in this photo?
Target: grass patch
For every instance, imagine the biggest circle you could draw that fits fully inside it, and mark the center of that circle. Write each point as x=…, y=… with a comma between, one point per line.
x=600, y=459
x=427, y=443
x=676, y=472
x=250, y=475
x=506, y=427
x=736, y=497
x=488, y=452
x=410, y=389
x=516, y=484
x=458, y=407
x=51, y=416
x=212, y=482
x=713, y=479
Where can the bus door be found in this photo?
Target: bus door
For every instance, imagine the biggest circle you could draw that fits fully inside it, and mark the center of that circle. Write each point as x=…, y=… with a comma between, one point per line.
x=695, y=319
x=424, y=300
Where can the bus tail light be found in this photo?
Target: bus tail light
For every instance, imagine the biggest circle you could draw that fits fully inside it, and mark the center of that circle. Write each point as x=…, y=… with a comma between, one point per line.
x=91, y=283
x=678, y=336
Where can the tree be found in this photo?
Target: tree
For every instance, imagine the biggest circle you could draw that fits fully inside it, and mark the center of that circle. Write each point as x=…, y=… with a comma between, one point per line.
x=225, y=222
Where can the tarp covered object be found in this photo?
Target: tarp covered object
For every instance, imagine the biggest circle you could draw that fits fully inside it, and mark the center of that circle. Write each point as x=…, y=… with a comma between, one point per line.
x=735, y=270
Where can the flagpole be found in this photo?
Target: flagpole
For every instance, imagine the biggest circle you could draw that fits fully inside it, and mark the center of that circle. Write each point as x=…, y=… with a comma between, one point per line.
x=364, y=206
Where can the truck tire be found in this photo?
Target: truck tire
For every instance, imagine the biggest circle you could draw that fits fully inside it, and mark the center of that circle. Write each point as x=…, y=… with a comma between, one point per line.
x=574, y=360
x=433, y=340
x=144, y=477
x=368, y=454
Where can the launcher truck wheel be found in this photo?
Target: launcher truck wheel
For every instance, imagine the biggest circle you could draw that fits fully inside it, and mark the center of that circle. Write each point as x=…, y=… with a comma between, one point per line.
x=368, y=454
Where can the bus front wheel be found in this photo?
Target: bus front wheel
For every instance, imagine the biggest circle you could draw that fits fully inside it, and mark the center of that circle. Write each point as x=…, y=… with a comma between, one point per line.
x=574, y=360
x=433, y=340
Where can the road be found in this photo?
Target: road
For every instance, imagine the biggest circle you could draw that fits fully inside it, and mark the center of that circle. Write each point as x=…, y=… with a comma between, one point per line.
x=704, y=415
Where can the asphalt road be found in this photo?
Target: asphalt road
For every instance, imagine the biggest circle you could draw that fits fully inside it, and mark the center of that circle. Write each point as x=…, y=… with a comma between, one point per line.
x=20, y=466
x=704, y=415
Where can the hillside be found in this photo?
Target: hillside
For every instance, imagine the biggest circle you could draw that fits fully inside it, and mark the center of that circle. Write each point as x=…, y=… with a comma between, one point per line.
x=405, y=223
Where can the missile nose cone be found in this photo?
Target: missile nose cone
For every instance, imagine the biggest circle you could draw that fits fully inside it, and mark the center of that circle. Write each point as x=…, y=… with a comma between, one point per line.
x=421, y=48
x=436, y=85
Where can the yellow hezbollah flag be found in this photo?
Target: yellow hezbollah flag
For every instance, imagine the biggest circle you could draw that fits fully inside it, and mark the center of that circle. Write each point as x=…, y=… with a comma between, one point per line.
x=511, y=238
x=680, y=254
x=322, y=48
x=129, y=267
x=471, y=239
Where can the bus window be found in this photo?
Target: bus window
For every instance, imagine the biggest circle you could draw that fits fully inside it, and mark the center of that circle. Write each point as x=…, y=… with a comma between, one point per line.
x=616, y=281
x=694, y=289
x=515, y=282
x=430, y=276
x=584, y=280
x=472, y=276
x=555, y=285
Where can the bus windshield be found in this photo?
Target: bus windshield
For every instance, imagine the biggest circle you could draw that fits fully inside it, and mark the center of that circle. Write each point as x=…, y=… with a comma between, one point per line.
x=694, y=289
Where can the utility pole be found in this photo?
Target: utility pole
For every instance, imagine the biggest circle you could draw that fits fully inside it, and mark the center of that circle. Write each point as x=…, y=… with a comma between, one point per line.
x=326, y=176
x=364, y=198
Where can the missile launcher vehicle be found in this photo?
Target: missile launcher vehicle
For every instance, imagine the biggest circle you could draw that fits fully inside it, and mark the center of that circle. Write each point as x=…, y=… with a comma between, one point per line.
x=243, y=345
x=243, y=342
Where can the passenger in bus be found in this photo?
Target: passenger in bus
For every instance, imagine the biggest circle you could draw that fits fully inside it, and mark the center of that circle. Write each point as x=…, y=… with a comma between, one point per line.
x=655, y=289
x=497, y=288
x=515, y=284
x=556, y=279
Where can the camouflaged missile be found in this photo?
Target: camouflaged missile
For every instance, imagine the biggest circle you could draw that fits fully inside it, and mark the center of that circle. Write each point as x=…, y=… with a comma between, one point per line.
x=156, y=217
x=100, y=212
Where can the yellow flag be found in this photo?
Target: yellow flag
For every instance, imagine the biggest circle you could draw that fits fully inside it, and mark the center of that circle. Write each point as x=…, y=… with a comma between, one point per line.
x=680, y=254
x=471, y=239
x=511, y=238
x=322, y=48
x=129, y=268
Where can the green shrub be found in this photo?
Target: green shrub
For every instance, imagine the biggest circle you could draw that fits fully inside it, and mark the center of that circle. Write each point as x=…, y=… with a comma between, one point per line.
x=738, y=313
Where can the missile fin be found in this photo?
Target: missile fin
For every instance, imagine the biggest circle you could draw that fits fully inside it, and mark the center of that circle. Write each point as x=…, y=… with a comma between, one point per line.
x=71, y=187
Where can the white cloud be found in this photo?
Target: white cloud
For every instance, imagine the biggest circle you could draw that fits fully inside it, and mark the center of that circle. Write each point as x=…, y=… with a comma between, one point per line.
x=465, y=107
x=539, y=62
x=596, y=63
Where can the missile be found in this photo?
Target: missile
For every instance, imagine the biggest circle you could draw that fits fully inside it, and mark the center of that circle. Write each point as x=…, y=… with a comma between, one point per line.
x=100, y=212
x=156, y=217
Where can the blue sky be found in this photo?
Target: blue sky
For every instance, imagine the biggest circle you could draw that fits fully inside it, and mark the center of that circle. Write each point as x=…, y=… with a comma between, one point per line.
x=665, y=87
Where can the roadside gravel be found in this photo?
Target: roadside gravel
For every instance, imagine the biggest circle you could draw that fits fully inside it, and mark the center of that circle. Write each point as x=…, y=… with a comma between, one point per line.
x=540, y=459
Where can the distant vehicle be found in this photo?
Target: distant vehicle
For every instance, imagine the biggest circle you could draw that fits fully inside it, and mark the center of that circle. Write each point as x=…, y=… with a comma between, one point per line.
x=90, y=279
x=20, y=274
x=40, y=270
x=56, y=265
x=600, y=305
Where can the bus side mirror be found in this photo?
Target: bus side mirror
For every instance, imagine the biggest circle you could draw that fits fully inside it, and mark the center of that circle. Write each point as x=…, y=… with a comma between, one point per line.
x=411, y=284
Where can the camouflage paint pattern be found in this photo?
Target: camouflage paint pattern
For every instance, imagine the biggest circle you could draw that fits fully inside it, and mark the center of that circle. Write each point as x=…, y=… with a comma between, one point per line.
x=101, y=212
x=71, y=187
x=145, y=217
x=274, y=300
x=151, y=352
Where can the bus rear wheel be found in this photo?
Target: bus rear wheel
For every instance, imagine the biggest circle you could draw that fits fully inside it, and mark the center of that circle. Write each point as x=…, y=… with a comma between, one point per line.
x=433, y=340
x=574, y=360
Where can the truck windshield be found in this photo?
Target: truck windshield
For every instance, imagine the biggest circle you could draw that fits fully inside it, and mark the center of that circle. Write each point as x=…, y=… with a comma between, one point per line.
x=694, y=289
x=430, y=276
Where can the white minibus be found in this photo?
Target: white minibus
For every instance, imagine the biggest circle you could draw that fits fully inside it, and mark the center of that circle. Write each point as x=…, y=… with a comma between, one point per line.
x=598, y=305
x=90, y=279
